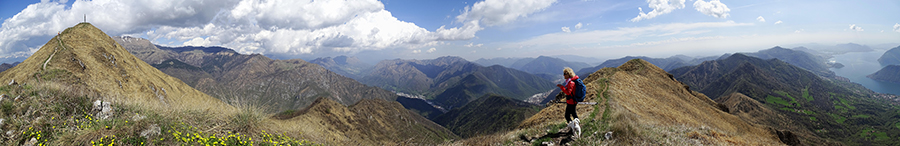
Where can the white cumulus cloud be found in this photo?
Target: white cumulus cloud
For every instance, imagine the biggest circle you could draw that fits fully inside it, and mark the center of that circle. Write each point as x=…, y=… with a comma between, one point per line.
x=431, y=50
x=566, y=29
x=497, y=12
x=416, y=51
x=778, y=22
x=659, y=7
x=198, y=41
x=897, y=27
x=578, y=26
x=760, y=19
x=255, y=26
x=713, y=8
x=855, y=28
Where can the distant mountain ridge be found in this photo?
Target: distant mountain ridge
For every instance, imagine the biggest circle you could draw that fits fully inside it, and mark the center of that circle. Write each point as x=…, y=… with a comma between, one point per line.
x=277, y=85
x=350, y=67
x=664, y=63
x=452, y=81
x=549, y=68
x=5, y=66
x=891, y=57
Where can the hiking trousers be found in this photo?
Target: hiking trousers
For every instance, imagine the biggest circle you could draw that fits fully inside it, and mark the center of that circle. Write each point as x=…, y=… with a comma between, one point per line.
x=570, y=110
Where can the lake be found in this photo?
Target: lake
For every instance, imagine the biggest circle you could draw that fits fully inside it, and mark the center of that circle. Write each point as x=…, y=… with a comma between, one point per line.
x=857, y=65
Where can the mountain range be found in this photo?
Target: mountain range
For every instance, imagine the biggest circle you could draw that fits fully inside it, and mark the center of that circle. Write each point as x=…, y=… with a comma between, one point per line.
x=820, y=109
x=452, y=82
x=276, y=85
x=350, y=67
x=547, y=67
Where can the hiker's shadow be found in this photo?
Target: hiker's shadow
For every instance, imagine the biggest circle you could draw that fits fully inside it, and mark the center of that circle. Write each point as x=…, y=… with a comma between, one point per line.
x=561, y=138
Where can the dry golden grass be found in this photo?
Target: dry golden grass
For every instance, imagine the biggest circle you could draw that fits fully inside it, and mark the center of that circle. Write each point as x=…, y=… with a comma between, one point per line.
x=648, y=104
x=94, y=59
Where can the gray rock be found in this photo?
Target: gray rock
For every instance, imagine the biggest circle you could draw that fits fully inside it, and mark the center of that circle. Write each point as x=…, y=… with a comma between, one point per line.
x=153, y=130
x=31, y=142
x=137, y=117
x=104, y=109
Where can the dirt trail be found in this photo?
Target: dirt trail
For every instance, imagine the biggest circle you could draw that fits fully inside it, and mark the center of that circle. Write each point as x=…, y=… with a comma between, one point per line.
x=55, y=50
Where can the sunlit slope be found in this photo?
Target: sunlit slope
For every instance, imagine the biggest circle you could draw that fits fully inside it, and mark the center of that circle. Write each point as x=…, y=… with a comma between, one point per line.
x=85, y=55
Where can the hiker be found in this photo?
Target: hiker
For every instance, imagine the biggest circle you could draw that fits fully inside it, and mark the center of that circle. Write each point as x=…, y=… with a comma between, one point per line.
x=573, y=96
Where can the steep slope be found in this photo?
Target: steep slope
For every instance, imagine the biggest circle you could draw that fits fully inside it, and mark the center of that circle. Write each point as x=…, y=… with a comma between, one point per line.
x=276, y=85
x=368, y=122
x=85, y=55
x=645, y=98
x=487, y=115
x=453, y=81
x=640, y=104
x=890, y=73
x=830, y=109
x=350, y=67
x=891, y=57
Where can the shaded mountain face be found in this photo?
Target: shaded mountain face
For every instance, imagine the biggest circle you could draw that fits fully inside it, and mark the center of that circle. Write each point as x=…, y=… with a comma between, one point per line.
x=813, y=63
x=367, y=122
x=350, y=67
x=487, y=115
x=824, y=107
x=890, y=73
x=452, y=81
x=5, y=66
x=276, y=85
x=891, y=57
x=420, y=106
x=85, y=56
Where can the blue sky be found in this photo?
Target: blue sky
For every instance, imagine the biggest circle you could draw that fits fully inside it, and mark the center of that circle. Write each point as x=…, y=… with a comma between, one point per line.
x=472, y=29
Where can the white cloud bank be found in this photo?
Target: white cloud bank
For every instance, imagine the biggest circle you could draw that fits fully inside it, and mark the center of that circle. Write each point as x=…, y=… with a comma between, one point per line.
x=659, y=7
x=256, y=26
x=897, y=27
x=713, y=8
